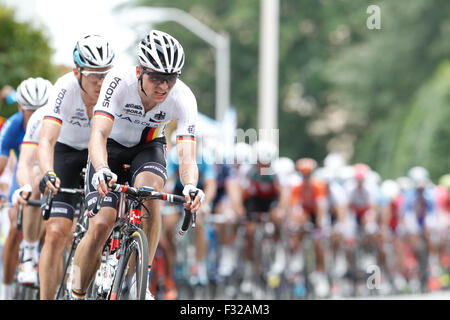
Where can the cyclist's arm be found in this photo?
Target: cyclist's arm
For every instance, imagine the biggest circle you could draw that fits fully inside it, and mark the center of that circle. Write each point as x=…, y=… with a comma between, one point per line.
x=5, y=92
x=3, y=163
x=210, y=189
x=27, y=159
x=188, y=169
x=101, y=128
x=49, y=135
x=188, y=164
x=8, y=141
x=235, y=194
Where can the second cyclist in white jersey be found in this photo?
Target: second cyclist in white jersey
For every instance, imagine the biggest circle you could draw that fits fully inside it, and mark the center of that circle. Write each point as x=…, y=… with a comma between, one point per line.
x=28, y=176
x=62, y=150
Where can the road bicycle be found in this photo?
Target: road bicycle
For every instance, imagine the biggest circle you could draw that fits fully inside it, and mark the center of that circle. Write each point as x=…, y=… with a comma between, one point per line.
x=123, y=272
x=126, y=252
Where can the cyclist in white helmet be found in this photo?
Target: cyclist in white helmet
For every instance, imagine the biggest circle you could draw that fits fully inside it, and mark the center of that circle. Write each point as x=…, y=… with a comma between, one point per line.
x=62, y=150
x=261, y=198
x=28, y=177
x=31, y=94
x=134, y=108
x=392, y=230
x=419, y=216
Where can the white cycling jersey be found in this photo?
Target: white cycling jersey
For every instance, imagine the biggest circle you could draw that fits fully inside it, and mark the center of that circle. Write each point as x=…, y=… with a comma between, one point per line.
x=336, y=195
x=34, y=126
x=67, y=109
x=120, y=103
x=364, y=197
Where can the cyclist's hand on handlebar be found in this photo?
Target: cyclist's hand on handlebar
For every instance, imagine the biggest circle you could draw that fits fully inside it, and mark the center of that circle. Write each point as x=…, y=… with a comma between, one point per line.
x=98, y=180
x=193, y=206
x=49, y=181
x=22, y=194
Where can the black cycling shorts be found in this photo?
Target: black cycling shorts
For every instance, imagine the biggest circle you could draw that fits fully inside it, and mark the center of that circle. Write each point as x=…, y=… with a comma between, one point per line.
x=68, y=165
x=149, y=157
x=255, y=206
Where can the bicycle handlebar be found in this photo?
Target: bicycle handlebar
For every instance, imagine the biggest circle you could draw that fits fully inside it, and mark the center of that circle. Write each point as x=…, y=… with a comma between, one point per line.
x=188, y=217
x=31, y=202
x=47, y=205
x=148, y=193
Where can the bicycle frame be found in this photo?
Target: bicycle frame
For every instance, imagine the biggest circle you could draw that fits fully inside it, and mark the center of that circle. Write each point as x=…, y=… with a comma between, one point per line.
x=128, y=221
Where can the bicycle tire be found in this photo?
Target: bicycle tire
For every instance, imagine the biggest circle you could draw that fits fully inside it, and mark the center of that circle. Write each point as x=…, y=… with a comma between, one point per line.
x=123, y=289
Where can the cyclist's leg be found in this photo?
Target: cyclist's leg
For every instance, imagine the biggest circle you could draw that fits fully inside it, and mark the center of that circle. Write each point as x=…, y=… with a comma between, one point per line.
x=32, y=221
x=10, y=254
x=12, y=243
x=68, y=164
x=201, y=248
x=57, y=232
x=88, y=253
x=50, y=261
x=151, y=225
x=32, y=215
x=432, y=234
x=148, y=168
x=87, y=256
x=226, y=233
x=250, y=229
x=31, y=228
x=296, y=220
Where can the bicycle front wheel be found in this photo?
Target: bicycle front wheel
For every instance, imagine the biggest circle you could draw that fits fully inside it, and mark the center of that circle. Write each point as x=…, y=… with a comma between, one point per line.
x=130, y=282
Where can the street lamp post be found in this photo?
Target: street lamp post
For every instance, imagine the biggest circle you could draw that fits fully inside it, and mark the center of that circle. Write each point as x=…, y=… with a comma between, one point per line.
x=268, y=65
x=220, y=41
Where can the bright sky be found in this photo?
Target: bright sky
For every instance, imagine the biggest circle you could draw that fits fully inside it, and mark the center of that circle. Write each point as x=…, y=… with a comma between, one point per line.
x=67, y=21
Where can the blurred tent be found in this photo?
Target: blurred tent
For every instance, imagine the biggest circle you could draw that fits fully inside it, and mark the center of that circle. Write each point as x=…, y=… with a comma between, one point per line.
x=219, y=137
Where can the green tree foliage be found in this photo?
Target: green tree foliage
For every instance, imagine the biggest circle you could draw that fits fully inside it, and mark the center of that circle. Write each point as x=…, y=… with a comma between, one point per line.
x=396, y=79
x=24, y=52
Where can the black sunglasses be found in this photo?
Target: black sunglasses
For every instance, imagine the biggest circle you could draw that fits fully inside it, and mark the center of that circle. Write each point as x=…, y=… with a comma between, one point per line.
x=158, y=78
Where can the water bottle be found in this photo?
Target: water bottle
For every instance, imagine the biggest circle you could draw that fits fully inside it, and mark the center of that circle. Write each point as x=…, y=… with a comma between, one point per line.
x=111, y=264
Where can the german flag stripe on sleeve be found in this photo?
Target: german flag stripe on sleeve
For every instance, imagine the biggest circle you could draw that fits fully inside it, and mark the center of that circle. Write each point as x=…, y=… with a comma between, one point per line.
x=185, y=139
x=53, y=120
x=104, y=114
x=29, y=144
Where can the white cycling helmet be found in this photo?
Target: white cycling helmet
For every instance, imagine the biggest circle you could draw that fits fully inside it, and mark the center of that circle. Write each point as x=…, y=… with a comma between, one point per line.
x=161, y=52
x=419, y=176
x=404, y=183
x=390, y=189
x=33, y=93
x=334, y=161
x=284, y=165
x=93, y=51
x=265, y=151
x=324, y=174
